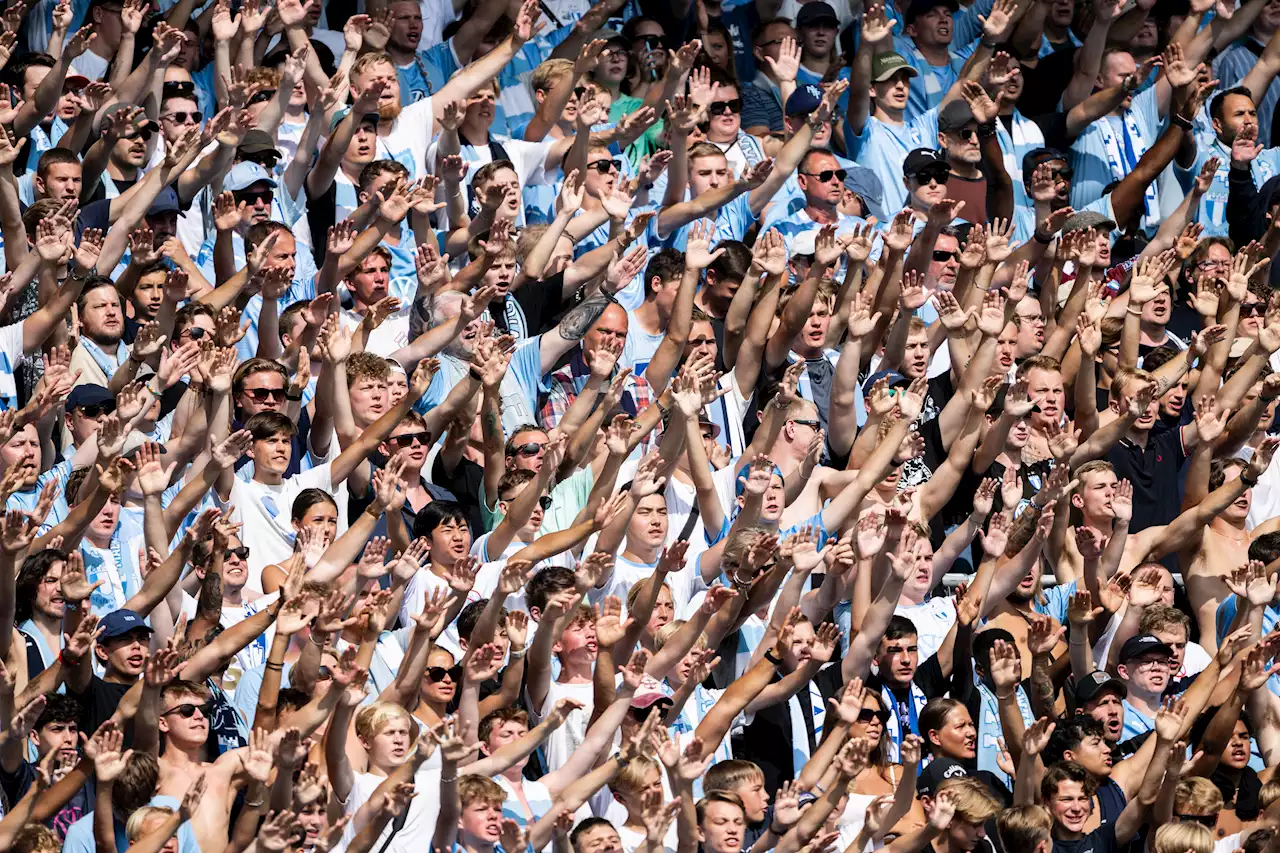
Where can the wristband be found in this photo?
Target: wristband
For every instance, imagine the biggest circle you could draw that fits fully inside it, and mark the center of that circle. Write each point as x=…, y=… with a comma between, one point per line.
x=1244, y=478
x=772, y=658
x=516, y=654
x=988, y=43
x=1045, y=240
x=66, y=660
x=986, y=130
x=777, y=832
x=1180, y=121
x=294, y=397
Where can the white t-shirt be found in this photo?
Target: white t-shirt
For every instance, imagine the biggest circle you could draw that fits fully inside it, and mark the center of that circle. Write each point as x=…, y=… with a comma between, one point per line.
x=528, y=158
x=933, y=619
x=564, y=740
x=410, y=136
x=420, y=821
x=251, y=656
x=91, y=65
x=392, y=335
x=266, y=514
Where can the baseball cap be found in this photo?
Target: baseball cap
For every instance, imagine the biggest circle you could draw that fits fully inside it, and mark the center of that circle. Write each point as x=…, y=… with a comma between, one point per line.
x=1087, y=219
x=258, y=142
x=939, y=770
x=923, y=160
x=1141, y=645
x=953, y=116
x=896, y=380
x=649, y=692
x=741, y=483
x=1036, y=156
x=88, y=395
x=1095, y=683
x=805, y=99
x=74, y=82
x=816, y=12
x=864, y=183
x=885, y=65
x=704, y=421
x=921, y=7
x=244, y=175
x=804, y=244
x=117, y=623
x=367, y=118
x=166, y=201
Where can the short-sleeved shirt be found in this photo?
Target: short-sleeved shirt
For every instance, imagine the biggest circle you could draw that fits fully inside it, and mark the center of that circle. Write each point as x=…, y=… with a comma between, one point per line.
x=1107, y=148
x=882, y=148
x=98, y=702
x=1154, y=472
x=1101, y=840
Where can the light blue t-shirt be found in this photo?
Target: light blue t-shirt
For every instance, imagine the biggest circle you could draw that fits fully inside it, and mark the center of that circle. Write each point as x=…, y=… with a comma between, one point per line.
x=1110, y=148
x=519, y=389
x=882, y=148
x=931, y=84
x=79, y=837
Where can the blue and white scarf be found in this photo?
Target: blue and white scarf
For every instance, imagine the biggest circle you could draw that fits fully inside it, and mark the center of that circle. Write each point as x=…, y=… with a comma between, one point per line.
x=911, y=709
x=1123, y=155
x=988, y=723
x=102, y=359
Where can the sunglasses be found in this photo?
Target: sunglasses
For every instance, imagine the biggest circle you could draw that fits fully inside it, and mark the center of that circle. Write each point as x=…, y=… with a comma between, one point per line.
x=651, y=42
x=1253, y=309
x=866, y=715
x=827, y=174
x=718, y=107
x=187, y=710
x=143, y=133
x=1066, y=173
x=242, y=552
x=531, y=449
x=804, y=422
x=195, y=333
x=938, y=175
x=942, y=257
x=642, y=714
x=410, y=439
x=966, y=133
x=264, y=394
x=97, y=410
x=604, y=167
x=544, y=501
x=262, y=97
x=183, y=117
x=252, y=197
x=1209, y=820
x=438, y=673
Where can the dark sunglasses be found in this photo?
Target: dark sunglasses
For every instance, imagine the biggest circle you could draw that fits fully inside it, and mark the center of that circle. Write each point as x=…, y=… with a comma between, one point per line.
x=97, y=410
x=651, y=42
x=827, y=174
x=174, y=87
x=938, y=175
x=866, y=715
x=438, y=673
x=181, y=116
x=604, y=167
x=530, y=449
x=242, y=552
x=195, y=333
x=1253, y=309
x=966, y=132
x=1209, y=820
x=252, y=197
x=187, y=710
x=642, y=714
x=143, y=133
x=943, y=257
x=262, y=97
x=1066, y=173
x=718, y=107
x=410, y=439
x=544, y=501
x=264, y=394
x=804, y=422
x=324, y=674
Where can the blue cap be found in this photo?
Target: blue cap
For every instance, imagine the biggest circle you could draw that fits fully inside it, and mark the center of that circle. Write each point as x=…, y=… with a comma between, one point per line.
x=165, y=202
x=88, y=395
x=896, y=380
x=741, y=484
x=805, y=99
x=117, y=623
x=244, y=175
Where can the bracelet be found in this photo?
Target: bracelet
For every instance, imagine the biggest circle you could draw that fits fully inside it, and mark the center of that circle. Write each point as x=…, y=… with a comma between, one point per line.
x=1180, y=121
x=516, y=654
x=1046, y=240
x=318, y=645
x=449, y=780
x=1248, y=482
x=258, y=804
x=1129, y=310
x=74, y=276
x=988, y=44
x=772, y=658
x=777, y=832
x=986, y=130
x=67, y=661
x=1010, y=696
x=294, y=397
x=277, y=666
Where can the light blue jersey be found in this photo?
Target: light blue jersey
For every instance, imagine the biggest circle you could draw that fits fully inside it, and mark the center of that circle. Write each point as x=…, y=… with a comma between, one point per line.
x=1111, y=147
x=882, y=147
x=933, y=81
x=1212, y=213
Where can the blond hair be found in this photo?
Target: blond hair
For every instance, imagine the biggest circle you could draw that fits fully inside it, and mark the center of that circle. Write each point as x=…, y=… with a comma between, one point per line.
x=548, y=73
x=472, y=788
x=133, y=829
x=975, y=804
x=1023, y=827
x=1197, y=795
x=1182, y=836
x=630, y=779
x=372, y=719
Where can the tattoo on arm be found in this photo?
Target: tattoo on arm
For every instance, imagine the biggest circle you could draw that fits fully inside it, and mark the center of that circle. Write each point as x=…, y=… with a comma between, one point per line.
x=579, y=320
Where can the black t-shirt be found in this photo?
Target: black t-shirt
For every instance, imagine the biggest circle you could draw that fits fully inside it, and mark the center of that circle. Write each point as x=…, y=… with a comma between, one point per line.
x=15, y=786
x=768, y=740
x=98, y=702
x=465, y=482
x=100, y=193
x=321, y=216
x=942, y=768
x=543, y=303
x=1156, y=474
x=1101, y=840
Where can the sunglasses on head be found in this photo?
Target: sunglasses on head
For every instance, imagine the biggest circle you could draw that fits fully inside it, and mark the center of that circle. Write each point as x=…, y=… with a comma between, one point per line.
x=939, y=175
x=182, y=116
x=438, y=673
x=242, y=552
x=409, y=439
x=97, y=410
x=187, y=710
x=1209, y=820
x=943, y=256
x=866, y=715
x=531, y=449
x=1253, y=309
x=252, y=197
x=718, y=107
x=827, y=174
x=264, y=394
x=604, y=167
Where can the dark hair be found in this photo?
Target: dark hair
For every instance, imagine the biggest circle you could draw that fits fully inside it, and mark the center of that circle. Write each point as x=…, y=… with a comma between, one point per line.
x=983, y=643
x=52, y=157
x=59, y=708
x=757, y=32
x=72, y=488
x=307, y=498
x=1159, y=357
x=1218, y=471
x=734, y=263
x=1258, y=840
x=633, y=24
x=265, y=425
x=185, y=317
x=469, y=616
x=509, y=449
x=137, y=784
x=16, y=71
x=437, y=513
x=666, y=265
x=291, y=698
x=1266, y=548
x=96, y=282
x=260, y=231
x=542, y=585
x=373, y=169
x=34, y=568
x=899, y=627
x=1066, y=771
x=1069, y=733
x=1219, y=101
x=586, y=825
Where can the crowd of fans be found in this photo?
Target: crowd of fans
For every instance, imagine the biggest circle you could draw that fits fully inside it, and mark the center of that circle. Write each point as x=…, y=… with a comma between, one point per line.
x=639, y=426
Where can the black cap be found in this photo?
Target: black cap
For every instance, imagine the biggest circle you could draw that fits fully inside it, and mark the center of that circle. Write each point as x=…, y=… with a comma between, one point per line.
x=816, y=12
x=939, y=770
x=921, y=7
x=953, y=116
x=88, y=395
x=1096, y=682
x=1036, y=156
x=1141, y=645
x=922, y=160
